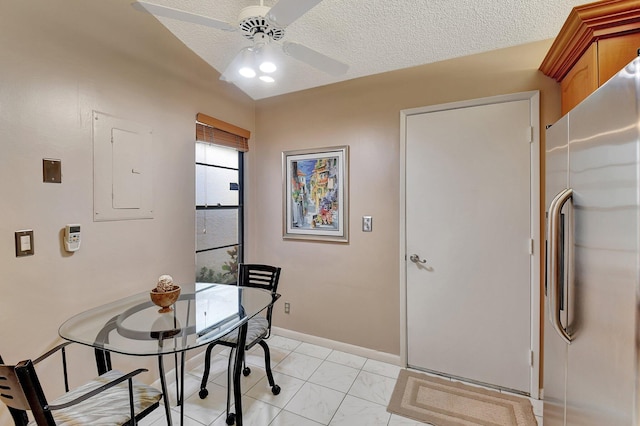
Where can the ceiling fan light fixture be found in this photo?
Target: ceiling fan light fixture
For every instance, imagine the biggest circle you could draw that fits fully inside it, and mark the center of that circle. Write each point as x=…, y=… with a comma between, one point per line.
x=247, y=72
x=247, y=63
x=266, y=54
x=268, y=67
x=242, y=66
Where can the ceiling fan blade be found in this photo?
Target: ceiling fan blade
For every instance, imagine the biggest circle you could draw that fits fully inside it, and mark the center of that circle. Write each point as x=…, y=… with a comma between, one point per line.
x=285, y=12
x=181, y=15
x=315, y=59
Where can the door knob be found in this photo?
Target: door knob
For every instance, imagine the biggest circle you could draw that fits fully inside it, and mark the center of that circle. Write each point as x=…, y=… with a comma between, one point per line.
x=416, y=259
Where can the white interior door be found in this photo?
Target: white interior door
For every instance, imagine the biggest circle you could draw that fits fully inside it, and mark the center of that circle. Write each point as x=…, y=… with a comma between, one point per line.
x=468, y=198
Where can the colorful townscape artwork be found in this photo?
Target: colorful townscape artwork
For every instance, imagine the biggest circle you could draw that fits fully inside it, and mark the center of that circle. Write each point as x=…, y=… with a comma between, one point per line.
x=314, y=194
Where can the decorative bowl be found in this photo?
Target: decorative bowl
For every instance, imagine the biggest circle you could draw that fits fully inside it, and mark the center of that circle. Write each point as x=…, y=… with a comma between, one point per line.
x=165, y=299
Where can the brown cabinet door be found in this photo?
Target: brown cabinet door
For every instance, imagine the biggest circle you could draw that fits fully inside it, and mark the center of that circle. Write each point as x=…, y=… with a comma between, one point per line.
x=581, y=80
x=614, y=53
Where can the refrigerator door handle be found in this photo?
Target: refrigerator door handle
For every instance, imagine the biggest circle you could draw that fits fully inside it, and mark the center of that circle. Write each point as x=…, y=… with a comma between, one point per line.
x=554, y=296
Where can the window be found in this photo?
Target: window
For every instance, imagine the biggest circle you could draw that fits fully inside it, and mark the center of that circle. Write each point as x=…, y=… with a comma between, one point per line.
x=219, y=156
x=219, y=215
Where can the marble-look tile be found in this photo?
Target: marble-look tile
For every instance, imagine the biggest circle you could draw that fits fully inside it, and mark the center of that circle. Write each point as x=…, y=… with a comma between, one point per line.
x=224, y=350
x=315, y=402
x=349, y=360
x=254, y=412
x=298, y=365
x=358, y=412
x=334, y=376
x=191, y=386
x=382, y=368
x=373, y=387
x=153, y=417
x=278, y=354
x=193, y=363
x=313, y=350
x=206, y=410
x=175, y=419
x=257, y=412
x=255, y=356
x=246, y=382
x=217, y=366
x=286, y=418
x=396, y=420
x=289, y=386
x=283, y=343
x=312, y=390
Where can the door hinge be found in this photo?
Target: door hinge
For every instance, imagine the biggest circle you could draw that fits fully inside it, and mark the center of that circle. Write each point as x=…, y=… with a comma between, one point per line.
x=531, y=357
x=529, y=134
x=531, y=246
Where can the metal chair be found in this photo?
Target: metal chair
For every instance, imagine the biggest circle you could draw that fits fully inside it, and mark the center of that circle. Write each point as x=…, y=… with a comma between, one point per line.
x=259, y=329
x=113, y=398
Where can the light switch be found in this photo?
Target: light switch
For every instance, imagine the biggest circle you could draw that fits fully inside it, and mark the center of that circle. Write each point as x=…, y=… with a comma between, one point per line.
x=24, y=242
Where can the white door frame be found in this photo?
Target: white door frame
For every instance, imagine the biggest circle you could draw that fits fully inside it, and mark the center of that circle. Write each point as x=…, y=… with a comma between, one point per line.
x=534, y=101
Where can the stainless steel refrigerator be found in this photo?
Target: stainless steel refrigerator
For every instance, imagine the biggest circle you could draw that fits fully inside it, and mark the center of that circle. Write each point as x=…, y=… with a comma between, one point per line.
x=592, y=314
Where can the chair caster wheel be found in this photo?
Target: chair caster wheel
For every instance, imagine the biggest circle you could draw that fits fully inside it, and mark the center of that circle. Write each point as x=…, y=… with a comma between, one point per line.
x=203, y=393
x=231, y=419
x=275, y=389
x=246, y=371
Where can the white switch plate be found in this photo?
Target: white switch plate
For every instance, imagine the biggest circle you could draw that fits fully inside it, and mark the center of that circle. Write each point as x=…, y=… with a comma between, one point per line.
x=367, y=224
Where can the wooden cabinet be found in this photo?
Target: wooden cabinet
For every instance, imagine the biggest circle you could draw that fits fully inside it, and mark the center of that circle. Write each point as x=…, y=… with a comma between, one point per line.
x=596, y=41
x=616, y=52
x=581, y=80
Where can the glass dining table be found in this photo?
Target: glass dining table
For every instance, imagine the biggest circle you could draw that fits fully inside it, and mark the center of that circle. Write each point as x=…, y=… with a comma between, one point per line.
x=202, y=314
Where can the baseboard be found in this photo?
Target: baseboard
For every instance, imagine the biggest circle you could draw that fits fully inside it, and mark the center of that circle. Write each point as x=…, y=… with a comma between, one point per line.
x=340, y=346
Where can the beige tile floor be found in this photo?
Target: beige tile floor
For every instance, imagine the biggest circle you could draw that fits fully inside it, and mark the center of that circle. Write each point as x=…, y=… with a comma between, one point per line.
x=320, y=386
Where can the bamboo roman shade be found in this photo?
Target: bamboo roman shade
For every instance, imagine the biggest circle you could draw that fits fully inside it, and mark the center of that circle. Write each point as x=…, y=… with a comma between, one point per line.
x=209, y=129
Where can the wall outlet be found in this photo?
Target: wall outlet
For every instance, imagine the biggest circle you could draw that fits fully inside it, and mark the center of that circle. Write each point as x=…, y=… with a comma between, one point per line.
x=367, y=224
x=287, y=307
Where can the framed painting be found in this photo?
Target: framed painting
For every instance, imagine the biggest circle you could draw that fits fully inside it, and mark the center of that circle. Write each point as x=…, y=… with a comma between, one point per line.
x=315, y=194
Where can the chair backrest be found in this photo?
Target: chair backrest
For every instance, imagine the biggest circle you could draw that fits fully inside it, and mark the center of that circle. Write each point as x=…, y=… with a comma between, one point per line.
x=20, y=390
x=261, y=276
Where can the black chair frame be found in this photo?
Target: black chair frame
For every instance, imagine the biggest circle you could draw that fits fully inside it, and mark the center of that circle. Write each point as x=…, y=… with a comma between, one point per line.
x=21, y=391
x=249, y=275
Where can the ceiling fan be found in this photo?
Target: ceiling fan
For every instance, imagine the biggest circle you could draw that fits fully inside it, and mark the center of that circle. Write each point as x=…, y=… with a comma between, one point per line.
x=264, y=26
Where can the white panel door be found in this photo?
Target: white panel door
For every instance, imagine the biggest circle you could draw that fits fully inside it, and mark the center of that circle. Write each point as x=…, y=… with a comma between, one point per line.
x=468, y=218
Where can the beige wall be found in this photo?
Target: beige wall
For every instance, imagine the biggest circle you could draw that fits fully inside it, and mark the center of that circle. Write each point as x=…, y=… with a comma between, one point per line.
x=350, y=293
x=59, y=61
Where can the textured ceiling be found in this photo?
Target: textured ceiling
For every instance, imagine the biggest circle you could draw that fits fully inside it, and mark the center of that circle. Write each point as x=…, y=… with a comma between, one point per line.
x=373, y=36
